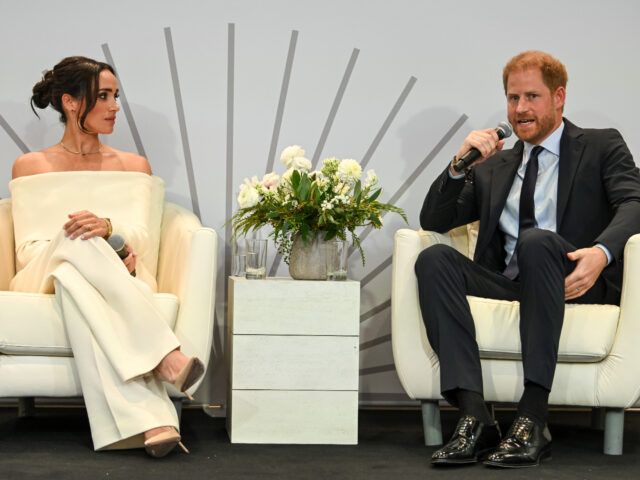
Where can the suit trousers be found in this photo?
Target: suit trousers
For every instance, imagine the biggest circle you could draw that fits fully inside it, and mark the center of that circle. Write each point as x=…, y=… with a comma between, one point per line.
x=446, y=277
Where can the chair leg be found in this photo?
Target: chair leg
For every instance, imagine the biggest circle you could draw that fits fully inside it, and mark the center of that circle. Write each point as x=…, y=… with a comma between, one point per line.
x=177, y=403
x=26, y=407
x=431, y=422
x=613, y=431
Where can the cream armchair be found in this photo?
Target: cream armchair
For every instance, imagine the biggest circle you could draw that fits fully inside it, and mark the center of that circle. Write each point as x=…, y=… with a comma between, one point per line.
x=599, y=356
x=35, y=357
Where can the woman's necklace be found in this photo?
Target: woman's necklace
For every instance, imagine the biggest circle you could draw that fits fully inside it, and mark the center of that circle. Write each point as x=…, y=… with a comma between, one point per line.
x=84, y=154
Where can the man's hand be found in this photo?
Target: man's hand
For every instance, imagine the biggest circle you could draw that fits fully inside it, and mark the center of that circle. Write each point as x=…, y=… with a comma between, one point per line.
x=485, y=141
x=591, y=262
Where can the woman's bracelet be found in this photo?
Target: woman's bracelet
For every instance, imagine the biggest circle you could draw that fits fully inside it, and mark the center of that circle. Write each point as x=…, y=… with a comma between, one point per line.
x=109, y=228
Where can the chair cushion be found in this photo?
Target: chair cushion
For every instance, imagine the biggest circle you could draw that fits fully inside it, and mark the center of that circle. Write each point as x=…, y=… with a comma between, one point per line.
x=587, y=333
x=30, y=325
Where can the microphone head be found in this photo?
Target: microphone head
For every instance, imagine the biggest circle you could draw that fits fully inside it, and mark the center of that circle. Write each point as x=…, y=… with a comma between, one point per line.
x=504, y=130
x=116, y=241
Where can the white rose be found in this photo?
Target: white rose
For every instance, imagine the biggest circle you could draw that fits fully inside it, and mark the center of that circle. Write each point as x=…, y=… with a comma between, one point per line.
x=300, y=163
x=248, y=196
x=349, y=171
x=290, y=153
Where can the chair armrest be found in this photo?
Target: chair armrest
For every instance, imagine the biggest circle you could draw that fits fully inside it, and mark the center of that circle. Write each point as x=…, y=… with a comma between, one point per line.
x=7, y=247
x=416, y=363
x=187, y=268
x=619, y=378
x=408, y=336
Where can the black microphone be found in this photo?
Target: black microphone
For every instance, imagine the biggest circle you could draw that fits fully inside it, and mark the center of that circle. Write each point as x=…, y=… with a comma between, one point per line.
x=503, y=130
x=118, y=244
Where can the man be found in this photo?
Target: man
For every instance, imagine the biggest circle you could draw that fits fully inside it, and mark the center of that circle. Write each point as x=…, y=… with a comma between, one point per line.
x=555, y=213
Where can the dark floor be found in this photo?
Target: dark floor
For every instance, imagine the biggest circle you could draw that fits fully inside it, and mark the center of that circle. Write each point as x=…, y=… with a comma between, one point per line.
x=56, y=444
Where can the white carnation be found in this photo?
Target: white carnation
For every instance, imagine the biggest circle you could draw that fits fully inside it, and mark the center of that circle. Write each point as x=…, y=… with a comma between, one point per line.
x=349, y=171
x=290, y=153
x=248, y=196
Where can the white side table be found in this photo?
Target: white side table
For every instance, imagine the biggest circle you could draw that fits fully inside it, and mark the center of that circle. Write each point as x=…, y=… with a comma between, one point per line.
x=293, y=358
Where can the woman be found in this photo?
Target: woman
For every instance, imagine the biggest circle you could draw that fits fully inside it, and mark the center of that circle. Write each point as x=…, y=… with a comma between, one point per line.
x=67, y=200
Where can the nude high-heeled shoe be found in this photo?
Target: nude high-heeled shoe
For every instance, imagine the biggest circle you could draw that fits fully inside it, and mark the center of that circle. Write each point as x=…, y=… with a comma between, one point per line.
x=188, y=376
x=162, y=444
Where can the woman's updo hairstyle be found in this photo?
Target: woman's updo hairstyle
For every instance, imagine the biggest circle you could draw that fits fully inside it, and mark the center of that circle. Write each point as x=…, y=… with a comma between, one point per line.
x=77, y=76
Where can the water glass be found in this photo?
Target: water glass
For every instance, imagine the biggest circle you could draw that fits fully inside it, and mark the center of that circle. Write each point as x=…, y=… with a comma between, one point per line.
x=238, y=257
x=337, y=253
x=256, y=259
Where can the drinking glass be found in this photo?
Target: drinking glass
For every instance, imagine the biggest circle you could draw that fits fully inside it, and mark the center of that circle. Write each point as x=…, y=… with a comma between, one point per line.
x=256, y=259
x=337, y=251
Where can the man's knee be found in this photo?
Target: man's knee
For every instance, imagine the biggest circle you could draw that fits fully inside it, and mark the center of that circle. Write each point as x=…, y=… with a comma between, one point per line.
x=537, y=244
x=537, y=240
x=435, y=258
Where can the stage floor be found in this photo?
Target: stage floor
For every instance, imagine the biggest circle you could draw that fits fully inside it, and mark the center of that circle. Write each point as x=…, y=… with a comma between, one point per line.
x=56, y=443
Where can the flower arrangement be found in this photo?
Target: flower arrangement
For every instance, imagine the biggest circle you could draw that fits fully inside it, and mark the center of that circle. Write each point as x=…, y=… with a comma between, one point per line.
x=333, y=200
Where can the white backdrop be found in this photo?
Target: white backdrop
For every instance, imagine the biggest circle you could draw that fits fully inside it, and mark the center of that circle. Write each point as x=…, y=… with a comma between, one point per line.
x=401, y=82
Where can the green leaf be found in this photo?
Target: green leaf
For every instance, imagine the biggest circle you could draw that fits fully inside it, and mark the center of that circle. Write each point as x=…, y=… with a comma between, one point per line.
x=375, y=195
x=357, y=189
x=295, y=179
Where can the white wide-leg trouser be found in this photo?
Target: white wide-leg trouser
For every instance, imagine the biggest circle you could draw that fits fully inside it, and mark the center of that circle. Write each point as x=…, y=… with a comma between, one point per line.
x=116, y=333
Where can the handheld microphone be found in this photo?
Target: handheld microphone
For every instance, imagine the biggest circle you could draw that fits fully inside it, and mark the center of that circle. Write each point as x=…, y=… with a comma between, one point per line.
x=118, y=244
x=503, y=130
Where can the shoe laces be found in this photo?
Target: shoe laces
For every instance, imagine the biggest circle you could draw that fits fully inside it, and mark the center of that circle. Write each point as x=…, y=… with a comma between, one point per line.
x=520, y=429
x=463, y=428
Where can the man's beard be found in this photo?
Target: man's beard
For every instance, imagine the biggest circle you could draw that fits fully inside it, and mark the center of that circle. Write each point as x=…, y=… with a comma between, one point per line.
x=544, y=126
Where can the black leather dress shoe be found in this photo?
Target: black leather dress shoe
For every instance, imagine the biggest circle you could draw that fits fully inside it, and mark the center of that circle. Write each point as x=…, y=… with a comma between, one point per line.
x=526, y=444
x=469, y=443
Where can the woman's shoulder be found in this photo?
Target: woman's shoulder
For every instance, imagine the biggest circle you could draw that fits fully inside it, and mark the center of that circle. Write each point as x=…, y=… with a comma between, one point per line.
x=130, y=161
x=31, y=163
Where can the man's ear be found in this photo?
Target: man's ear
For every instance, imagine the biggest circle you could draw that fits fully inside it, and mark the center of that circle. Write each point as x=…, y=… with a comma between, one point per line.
x=559, y=97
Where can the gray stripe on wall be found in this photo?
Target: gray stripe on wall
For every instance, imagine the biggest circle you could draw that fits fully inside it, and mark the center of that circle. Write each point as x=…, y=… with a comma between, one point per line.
x=375, y=341
x=274, y=266
x=334, y=108
x=281, y=102
x=181, y=121
x=413, y=176
x=125, y=104
x=375, y=310
x=380, y=369
x=387, y=123
x=376, y=271
x=231, y=32
x=13, y=135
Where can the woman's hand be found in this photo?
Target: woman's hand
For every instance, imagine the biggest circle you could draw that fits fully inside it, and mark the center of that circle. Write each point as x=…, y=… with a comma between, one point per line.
x=86, y=224
x=130, y=260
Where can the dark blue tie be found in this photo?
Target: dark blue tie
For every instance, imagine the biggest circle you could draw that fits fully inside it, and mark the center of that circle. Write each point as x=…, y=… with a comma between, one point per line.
x=527, y=207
